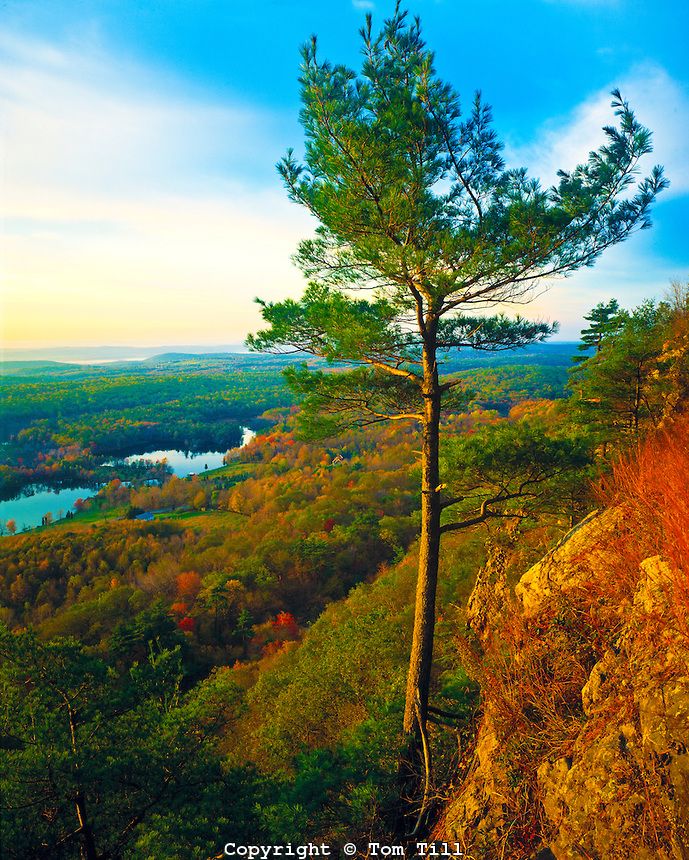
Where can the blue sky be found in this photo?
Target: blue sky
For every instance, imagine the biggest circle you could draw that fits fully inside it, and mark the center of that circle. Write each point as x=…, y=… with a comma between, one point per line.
x=140, y=203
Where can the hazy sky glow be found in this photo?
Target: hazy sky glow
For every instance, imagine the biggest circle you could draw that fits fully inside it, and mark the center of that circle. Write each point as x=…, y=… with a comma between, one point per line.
x=140, y=204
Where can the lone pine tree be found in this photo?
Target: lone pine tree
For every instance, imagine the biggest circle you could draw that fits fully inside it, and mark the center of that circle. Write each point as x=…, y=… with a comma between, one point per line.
x=606, y=320
x=421, y=229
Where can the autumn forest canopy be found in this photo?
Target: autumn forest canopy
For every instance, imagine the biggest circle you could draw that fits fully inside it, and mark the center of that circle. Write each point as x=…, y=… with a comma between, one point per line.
x=420, y=599
x=222, y=623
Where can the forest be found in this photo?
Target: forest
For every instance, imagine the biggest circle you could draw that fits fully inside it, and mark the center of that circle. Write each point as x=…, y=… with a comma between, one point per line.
x=218, y=628
x=67, y=426
x=437, y=599
x=63, y=425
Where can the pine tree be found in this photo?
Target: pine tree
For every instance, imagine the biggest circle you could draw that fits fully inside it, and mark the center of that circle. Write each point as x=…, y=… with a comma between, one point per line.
x=105, y=759
x=607, y=318
x=638, y=375
x=421, y=229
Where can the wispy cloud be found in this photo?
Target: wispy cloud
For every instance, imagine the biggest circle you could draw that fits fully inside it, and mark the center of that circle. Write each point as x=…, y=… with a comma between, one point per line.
x=364, y=5
x=132, y=210
x=138, y=211
x=96, y=120
x=659, y=102
x=635, y=270
x=630, y=273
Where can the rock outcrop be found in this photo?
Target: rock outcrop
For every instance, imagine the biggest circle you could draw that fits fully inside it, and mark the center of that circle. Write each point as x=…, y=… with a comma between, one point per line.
x=583, y=747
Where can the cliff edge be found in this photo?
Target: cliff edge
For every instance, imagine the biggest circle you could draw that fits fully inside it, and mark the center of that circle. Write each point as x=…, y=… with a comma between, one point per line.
x=582, y=749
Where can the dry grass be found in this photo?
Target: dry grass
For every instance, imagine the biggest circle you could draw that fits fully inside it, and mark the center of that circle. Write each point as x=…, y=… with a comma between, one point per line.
x=532, y=668
x=652, y=483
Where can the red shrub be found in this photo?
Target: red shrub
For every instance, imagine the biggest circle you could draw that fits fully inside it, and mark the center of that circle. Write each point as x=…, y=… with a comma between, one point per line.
x=179, y=608
x=651, y=483
x=285, y=625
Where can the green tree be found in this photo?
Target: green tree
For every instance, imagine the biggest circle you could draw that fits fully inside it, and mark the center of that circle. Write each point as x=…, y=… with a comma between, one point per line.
x=606, y=319
x=511, y=470
x=93, y=761
x=417, y=209
x=244, y=629
x=639, y=377
x=619, y=389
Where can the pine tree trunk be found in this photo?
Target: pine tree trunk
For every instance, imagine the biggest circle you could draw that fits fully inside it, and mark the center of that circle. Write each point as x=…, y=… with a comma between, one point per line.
x=88, y=848
x=637, y=400
x=421, y=659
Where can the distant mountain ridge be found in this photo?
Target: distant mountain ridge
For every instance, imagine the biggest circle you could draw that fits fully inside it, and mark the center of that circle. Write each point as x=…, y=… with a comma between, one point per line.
x=86, y=354
x=111, y=354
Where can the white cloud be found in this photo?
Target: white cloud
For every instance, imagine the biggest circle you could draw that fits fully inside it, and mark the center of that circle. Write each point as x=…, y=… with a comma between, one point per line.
x=364, y=5
x=634, y=270
x=630, y=273
x=131, y=215
x=129, y=205
x=659, y=102
x=96, y=121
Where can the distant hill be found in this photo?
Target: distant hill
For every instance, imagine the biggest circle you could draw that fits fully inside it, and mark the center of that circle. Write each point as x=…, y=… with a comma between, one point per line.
x=19, y=358
x=184, y=360
x=97, y=354
x=557, y=354
x=30, y=368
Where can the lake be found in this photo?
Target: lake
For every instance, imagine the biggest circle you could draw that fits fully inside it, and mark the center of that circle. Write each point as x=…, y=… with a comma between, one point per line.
x=28, y=510
x=185, y=463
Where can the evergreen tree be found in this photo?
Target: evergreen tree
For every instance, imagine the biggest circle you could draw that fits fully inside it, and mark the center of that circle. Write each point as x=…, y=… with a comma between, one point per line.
x=513, y=470
x=98, y=763
x=613, y=386
x=639, y=375
x=418, y=212
x=606, y=319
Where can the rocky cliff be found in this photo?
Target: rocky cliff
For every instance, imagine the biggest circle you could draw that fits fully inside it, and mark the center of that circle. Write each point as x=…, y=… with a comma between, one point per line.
x=582, y=747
